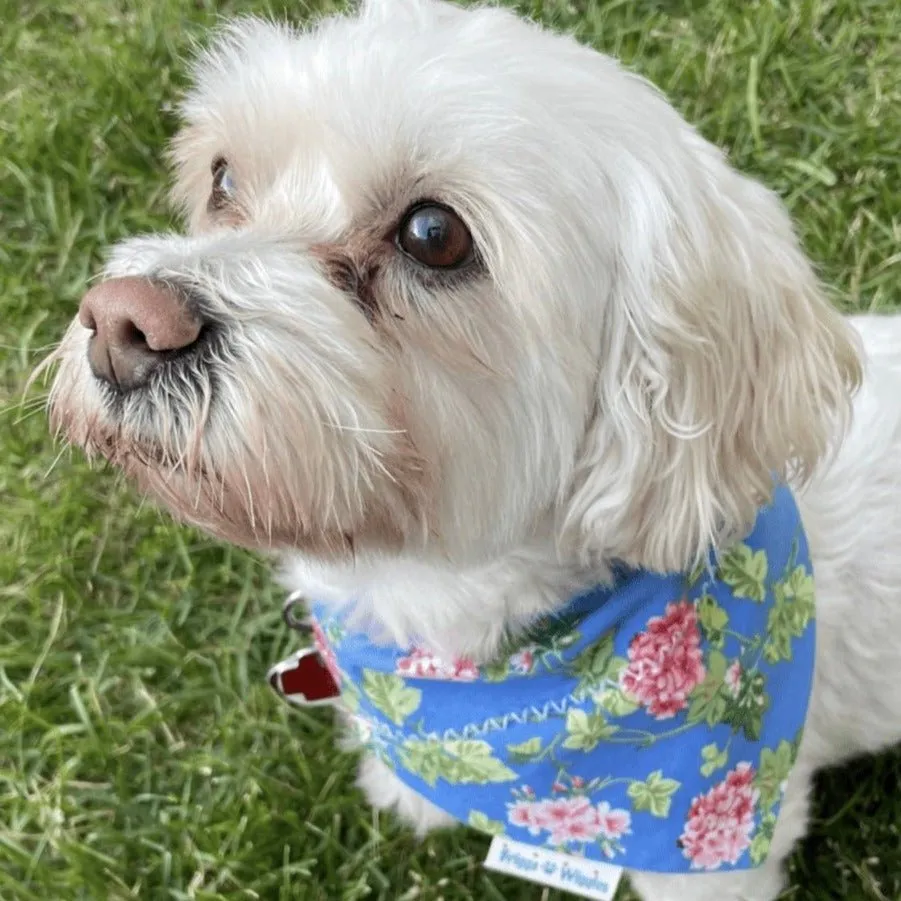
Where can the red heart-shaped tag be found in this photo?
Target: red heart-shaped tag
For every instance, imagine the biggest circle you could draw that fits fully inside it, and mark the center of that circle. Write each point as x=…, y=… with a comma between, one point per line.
x=304, y=680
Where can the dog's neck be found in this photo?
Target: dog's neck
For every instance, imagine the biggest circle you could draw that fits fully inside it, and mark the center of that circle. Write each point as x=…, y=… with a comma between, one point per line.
x=453, y=610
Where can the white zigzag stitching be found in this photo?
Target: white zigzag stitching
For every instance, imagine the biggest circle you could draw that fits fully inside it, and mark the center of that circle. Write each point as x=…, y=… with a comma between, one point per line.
x=494, y=724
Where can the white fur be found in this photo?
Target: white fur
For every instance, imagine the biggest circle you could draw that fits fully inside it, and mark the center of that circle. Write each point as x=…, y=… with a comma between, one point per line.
x=645, y=345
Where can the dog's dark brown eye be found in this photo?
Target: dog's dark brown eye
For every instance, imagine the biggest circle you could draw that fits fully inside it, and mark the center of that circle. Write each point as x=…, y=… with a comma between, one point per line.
x=224, y=187
x=435, y=236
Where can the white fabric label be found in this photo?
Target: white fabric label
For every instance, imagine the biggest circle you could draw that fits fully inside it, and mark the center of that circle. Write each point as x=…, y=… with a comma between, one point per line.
x=586, y=878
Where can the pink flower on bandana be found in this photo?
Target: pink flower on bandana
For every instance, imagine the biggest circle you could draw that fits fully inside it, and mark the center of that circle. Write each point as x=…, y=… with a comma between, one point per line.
x=320, y=642
x=423, y=664
x=572, y=819
x=420, y=664
x=576, y=829
x=665, y=661
x=524, y=814
x=720, y=822
x=523, y=661
x=613, y=823
x=733, y=679
x=465, y=670
x=568, y=820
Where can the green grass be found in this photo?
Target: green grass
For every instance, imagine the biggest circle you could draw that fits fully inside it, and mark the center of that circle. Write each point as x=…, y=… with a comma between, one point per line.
x=141, y=753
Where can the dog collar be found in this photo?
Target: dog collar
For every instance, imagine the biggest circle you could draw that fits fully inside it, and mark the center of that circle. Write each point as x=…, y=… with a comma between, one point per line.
x=653, y=723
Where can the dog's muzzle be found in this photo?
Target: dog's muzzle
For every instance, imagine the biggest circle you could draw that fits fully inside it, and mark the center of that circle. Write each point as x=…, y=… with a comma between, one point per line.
x=137, y=325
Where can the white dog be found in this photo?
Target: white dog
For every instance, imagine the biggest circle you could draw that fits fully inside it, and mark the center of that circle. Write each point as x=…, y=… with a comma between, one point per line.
x=466, y=313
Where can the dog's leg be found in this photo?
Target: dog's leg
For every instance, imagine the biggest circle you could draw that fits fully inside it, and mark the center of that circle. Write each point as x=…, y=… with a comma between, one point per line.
x=763, y=884
x=385, y=791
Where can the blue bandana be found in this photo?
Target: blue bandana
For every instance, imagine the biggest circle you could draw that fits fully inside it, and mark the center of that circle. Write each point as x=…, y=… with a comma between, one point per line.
x=652, y=723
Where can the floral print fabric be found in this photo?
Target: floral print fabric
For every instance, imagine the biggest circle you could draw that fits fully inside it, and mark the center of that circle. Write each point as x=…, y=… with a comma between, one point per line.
x=665, y=661
x=652, y=723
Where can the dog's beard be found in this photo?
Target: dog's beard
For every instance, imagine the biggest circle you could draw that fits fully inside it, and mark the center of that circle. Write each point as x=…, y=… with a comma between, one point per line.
x=235, y=495
x=247, y=443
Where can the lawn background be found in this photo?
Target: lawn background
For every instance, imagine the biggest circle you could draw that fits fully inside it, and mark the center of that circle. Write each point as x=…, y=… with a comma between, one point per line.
x=141, y=753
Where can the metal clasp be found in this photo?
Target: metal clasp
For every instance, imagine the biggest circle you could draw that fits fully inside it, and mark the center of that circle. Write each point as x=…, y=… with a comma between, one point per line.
x=295, y=614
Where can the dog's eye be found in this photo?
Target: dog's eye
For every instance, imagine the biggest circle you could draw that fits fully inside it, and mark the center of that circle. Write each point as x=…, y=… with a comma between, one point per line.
x=435, y=236
x=224, y=187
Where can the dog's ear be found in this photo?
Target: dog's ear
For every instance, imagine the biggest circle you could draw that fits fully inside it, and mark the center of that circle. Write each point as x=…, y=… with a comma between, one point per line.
x=722, y=366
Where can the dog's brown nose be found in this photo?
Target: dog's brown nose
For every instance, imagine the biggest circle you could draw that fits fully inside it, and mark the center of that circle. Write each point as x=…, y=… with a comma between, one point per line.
x=137, y=323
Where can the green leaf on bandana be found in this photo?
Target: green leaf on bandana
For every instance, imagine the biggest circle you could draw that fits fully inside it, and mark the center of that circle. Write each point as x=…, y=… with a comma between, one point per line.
x=714, y=759
x=423, y=758
x=472, y=762
x=525, y=750
x=461, y=762
x=350, y=695
x=709, y=700
x=586, y=731
x=779, y=634
x=760, y=844
x=615, y=668
x=695, y=575
x=496, y=671
x=595, y=666
x=615, y=702
x=772, y=772
x=744, y=571
x=479, y=821
x=654, y=794
x=391, y=695
x=790, y=615
x=746, y=711
x=713, y=619
x=591, y=664
x=800, y=587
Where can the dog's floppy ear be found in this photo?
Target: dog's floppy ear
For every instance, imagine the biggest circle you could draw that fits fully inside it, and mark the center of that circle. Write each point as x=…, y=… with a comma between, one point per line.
x=722, y=365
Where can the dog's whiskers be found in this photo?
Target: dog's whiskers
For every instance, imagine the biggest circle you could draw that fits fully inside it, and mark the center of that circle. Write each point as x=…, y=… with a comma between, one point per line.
x=15, y=348
x=27, y=415
x=65, y=449
x=25, y=406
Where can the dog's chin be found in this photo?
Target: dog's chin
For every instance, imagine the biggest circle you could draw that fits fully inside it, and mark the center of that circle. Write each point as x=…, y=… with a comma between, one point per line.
x=203, y=498
x=226, y=505
x=237, y=503
x=221, y=508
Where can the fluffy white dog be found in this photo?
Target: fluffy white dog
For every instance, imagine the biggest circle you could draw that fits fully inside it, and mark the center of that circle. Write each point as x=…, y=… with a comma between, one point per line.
x=467, y=312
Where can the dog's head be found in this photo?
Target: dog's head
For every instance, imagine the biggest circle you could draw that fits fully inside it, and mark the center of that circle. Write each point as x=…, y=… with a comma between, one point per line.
x=449, y=277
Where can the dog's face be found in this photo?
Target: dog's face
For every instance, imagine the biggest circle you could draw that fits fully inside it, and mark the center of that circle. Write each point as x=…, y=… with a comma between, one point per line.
x=450, y=278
